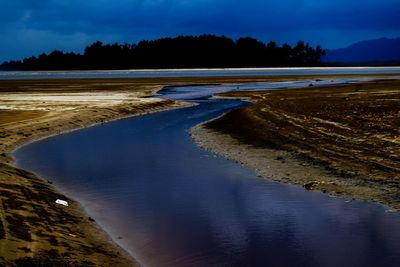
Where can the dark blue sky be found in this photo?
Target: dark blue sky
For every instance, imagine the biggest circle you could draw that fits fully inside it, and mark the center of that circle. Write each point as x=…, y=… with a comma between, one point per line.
x=29, y=27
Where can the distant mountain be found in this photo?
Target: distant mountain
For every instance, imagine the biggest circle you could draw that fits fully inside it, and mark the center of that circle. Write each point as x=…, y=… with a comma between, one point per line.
x=379, y=50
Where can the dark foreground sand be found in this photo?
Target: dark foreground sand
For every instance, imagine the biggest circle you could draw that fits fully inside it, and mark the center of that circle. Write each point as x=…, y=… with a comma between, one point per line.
x=342, y=140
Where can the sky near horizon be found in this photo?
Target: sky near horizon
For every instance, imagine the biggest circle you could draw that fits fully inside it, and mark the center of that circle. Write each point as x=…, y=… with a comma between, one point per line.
x=30, y=27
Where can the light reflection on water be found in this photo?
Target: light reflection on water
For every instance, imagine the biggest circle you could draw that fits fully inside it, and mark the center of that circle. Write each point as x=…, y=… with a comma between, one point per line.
x=173, y=204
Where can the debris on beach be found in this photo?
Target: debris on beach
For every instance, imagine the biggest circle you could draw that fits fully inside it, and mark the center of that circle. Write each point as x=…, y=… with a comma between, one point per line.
x=62, y=202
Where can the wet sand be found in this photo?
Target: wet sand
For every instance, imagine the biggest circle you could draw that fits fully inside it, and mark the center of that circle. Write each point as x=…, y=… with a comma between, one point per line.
x=342, y=140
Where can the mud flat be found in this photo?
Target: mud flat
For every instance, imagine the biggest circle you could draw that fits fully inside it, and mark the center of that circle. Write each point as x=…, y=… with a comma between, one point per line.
x=342, y=140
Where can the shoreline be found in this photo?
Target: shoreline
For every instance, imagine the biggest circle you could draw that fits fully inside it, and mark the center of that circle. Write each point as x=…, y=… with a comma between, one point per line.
x=100, y=228
x=274, y=165
x=204, y=69
x=34, y=140
x=277, y=157
x=59, y=190
x=88, y=242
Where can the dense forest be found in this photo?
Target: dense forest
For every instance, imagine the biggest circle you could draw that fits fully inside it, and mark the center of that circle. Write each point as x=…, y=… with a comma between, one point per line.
x=204, y=51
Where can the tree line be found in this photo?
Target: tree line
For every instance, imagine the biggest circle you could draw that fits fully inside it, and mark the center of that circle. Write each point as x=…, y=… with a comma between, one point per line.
x=204, y=51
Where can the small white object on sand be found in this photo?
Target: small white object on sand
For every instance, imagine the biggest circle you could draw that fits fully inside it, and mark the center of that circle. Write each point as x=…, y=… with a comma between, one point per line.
x=62, y=202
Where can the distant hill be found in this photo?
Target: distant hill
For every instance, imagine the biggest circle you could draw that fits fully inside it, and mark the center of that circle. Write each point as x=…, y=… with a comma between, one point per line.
x=374, y=51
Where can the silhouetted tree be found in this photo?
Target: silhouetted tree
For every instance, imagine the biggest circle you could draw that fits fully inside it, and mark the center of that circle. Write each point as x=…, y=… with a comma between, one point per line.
x=179, y=52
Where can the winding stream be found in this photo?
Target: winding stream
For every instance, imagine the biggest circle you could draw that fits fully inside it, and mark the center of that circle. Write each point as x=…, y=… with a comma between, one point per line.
x=169, y=203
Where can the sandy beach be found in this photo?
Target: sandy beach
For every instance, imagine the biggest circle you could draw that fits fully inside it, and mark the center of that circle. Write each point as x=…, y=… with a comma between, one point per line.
x=33, y=229
x=342, y=140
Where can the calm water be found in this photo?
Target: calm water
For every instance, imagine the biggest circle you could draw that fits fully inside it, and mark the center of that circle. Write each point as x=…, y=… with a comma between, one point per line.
x=197, y=72
x=206, y=91
x=170, y=203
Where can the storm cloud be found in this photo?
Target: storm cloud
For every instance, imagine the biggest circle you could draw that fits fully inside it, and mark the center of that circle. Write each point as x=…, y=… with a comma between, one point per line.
x=29, y=27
